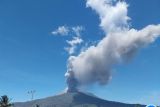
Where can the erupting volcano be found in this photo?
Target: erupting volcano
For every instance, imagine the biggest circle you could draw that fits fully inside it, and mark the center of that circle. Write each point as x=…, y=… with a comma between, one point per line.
x=94, y=64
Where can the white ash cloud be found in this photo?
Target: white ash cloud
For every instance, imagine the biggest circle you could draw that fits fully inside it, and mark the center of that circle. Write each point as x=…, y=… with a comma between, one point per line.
x=112, y=17
x=94, y=65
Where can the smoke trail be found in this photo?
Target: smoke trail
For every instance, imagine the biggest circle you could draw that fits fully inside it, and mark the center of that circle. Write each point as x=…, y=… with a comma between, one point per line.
x=94, y=65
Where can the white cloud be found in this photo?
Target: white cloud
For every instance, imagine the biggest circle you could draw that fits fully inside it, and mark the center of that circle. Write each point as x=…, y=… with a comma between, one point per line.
x=112, y=18
x=76, y=40
x=61, y=30
x=77, y=30
x=73, y=44
x=74, y=31
x=94, y=65
x=67, y=30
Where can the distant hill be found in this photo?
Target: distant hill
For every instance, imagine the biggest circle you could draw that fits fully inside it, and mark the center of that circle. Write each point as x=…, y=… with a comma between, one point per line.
x=76, y=99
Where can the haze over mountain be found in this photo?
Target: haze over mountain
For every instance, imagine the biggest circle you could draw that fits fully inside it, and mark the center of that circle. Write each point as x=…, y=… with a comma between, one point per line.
x=74, y=99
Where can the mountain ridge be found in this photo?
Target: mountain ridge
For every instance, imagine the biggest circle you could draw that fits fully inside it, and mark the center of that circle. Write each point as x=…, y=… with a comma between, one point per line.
x=74, y=99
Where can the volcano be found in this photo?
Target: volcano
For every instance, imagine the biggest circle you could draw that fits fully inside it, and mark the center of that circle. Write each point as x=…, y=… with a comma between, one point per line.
x=74, y=99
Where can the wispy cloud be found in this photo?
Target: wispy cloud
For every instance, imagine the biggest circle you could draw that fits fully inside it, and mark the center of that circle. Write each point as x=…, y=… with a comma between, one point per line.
x=61, y=30
x=76, y=40
x=75, y=32
x=73, y=44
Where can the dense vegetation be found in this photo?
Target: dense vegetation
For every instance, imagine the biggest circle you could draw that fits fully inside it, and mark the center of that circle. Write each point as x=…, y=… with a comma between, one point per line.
x=5, y=101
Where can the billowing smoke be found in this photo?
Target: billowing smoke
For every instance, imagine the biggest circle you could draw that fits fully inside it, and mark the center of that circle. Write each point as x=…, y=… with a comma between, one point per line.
x=94, y=65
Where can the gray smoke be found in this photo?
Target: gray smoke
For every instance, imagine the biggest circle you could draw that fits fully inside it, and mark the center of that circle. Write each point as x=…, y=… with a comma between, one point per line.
x=94, y=65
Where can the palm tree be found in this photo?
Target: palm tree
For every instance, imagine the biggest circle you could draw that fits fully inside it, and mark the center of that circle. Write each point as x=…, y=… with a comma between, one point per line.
x=5, y=102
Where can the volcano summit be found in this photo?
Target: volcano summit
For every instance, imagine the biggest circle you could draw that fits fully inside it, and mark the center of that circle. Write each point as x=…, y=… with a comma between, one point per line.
x=74, y=99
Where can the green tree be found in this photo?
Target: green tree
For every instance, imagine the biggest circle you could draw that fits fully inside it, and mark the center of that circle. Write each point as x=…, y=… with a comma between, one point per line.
x=5, y=101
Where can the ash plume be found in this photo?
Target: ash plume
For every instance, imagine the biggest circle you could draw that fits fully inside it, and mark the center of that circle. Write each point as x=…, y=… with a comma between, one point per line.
x=121, y=43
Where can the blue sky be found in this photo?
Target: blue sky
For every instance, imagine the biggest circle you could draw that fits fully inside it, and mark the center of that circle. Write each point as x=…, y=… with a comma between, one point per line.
x=31, y=58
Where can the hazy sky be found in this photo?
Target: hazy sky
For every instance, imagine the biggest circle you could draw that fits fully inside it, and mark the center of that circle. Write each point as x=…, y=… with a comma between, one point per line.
x=32, y=58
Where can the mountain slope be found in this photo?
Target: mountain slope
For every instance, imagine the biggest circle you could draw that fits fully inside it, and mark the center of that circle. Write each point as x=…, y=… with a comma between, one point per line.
x=76, y=99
